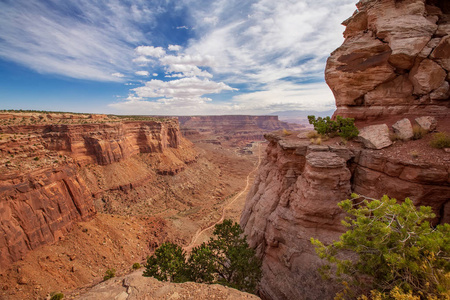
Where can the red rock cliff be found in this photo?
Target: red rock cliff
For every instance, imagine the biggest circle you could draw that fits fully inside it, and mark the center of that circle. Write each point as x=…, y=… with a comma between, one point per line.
x=295, y=195
x=395, y=60
x=233, y=123
x=42, y=192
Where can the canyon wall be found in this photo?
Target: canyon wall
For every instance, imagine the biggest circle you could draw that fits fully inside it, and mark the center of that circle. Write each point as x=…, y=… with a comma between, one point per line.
x=295, y=195
x=394, y=60
x=232, y=123
x=43, y=188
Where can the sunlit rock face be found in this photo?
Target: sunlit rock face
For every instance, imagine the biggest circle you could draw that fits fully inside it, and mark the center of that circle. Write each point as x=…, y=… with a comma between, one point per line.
x=294, y=197
x=395, y=60
x=42, y=192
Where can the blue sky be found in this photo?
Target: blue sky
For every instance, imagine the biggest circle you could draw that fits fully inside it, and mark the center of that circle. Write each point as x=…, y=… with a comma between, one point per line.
x=184, y=57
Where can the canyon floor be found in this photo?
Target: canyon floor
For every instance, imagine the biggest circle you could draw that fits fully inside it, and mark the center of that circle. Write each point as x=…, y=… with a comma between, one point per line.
x=127, y=227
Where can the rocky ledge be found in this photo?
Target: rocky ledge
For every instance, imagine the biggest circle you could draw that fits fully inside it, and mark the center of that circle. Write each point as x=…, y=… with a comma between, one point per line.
x=295, y=195
x=135, y=286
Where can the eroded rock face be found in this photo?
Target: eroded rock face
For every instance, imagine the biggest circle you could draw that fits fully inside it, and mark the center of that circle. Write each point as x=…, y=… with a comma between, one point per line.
x=295, y=195
x=39, y=208
x=43, y=191
x=395, y=60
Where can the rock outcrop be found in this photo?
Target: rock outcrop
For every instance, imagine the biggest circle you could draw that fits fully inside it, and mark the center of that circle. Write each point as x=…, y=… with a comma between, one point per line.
x=394, y=60
x=295, y=195
x=43, y=188
x=135, y=287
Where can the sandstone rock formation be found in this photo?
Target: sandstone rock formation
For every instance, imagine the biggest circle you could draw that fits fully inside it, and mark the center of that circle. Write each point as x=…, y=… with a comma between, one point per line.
x=137, y=287
x=375, y=136
x=395, y=60
x=403, y=129
x=233, y=128
x=43, y=191
x=295, y=195
x=426, y=123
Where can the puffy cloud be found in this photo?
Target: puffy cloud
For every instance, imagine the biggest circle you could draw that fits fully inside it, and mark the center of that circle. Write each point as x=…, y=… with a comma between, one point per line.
x=175, y=48
x=188, y=71
x=195, y=60
x=142, y=73
x=155, y=74
x=150, y=51
x=118, y=75
x=191, y=87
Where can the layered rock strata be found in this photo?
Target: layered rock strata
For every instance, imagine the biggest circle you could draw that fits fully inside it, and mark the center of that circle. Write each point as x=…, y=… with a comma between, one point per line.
x=295, y=195
x=43, y=188
x=394, y=60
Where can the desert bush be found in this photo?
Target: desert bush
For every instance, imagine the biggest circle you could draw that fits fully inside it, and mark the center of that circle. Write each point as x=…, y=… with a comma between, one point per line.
x=312, y=134
x=394, y=137
x=225, y=259
x=136, y=266
x=110, y=273
x=56, y=296
x=286, y=132
x=440, y=140
x=414, y=154
x=343, y=127
x=418, y=132
x=394, y=247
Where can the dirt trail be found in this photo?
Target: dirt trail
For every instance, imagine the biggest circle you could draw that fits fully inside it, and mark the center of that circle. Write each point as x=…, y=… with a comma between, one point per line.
x=191, y=245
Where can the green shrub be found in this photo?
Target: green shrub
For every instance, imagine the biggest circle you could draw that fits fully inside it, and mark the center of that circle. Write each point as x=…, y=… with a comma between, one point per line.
x=225, y=259
x=395, y=247
x=167, y=264
x=110, y=273
x=56, y=296
x=136, y=266
x=440, y=140
x=36, y=158
x=343, y=127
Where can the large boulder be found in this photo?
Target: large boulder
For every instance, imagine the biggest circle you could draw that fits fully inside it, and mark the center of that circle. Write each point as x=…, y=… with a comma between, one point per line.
x=375, y=136
x=403, y=129
x=426, y=123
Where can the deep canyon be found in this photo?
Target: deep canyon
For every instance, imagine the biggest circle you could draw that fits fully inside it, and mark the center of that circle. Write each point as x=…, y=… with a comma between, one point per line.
x=82, y=193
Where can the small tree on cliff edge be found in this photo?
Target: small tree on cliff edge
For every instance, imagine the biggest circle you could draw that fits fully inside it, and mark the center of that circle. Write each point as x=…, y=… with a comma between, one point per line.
x=226, y=259
x=399, y=255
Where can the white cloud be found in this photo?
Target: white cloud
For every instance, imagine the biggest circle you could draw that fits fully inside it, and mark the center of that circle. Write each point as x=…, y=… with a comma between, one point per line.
x=272, y=40
x=188, y=70
x=142, y=73
x=195, y=60
x=211, y=20
x=150, y=51
x=182, y=27
x=175, y=48
x=91, y=44
x=155, y=74
x=191, y=87
x=118, y=75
